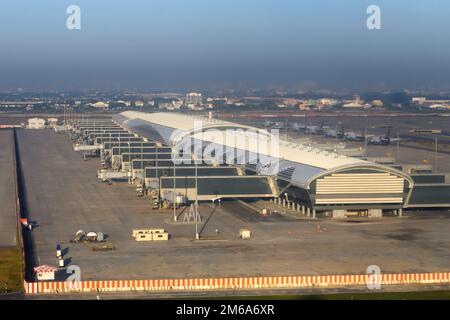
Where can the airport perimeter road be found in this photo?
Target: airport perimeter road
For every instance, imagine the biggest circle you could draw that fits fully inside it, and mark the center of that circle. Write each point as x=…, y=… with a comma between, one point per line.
x=409, y=292
x=7, y=193
x=63, y=195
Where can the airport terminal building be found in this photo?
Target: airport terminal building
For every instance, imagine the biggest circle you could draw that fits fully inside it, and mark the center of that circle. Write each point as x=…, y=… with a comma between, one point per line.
x=318, y=180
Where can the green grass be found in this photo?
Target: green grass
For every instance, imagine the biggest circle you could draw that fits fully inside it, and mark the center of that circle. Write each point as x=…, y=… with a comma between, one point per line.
x=414, y=295
x=11, y=270
x=410, y=295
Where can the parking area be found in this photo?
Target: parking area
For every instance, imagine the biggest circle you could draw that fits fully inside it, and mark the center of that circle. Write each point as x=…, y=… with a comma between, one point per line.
x=63, y=196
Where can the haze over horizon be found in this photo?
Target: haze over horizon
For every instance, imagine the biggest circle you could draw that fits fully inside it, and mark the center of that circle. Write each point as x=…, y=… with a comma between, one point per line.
x=179, y=44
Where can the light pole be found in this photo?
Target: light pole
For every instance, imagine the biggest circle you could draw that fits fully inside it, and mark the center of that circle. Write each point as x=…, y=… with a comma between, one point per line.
x=157, y=177
x=197, y=236
x=287, y=126
x=365, y=140
x=435, y=153
x=336, y=143
x=174, y=189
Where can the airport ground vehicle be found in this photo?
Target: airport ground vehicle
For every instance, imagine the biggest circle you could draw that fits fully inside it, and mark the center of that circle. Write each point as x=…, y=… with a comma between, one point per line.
x=155, y=202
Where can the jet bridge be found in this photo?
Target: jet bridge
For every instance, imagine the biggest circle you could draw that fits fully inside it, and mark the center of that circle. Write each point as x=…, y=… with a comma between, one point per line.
x=152, y=174
x=138, y=166
x=85, y=147
x=213, y=187
x=430, y=191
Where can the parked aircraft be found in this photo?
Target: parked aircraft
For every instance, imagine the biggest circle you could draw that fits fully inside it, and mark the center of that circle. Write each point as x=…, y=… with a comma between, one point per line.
x=381, y=140
x=315, y=129
x=353, y=136
x=335, y=133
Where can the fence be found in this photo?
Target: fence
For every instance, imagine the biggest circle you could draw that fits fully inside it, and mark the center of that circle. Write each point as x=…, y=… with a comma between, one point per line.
x=246, y=283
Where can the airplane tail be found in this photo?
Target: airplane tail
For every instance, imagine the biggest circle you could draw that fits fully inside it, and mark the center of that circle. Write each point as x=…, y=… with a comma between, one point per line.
x=321, y=124
x=388, y=134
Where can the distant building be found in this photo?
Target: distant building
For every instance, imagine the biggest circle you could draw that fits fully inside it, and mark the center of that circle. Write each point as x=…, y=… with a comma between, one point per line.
x=193, y=99
x=439, y=106
x=288, y=102
x=100, y=104
x=139, y=103
x=177, y=104
x=15, y=104
x=36, y=123
x=327, y=101
x=377, y=103
x=303, y=106
x=223, y=100
x=172, y=105
x=419, y=100
x=442, y=104
x=127, y=103
x=165, y=105
x=52, y=122
x=354, y=103
x=234, y=101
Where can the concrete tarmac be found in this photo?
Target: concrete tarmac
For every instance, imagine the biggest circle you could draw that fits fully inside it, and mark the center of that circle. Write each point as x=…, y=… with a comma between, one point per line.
x=63, y=195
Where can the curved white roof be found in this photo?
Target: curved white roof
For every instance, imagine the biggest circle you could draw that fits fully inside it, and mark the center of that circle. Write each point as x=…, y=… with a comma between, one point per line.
x=289, y=151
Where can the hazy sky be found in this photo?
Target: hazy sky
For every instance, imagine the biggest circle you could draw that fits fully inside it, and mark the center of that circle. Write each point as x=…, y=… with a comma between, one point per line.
x=194, y=44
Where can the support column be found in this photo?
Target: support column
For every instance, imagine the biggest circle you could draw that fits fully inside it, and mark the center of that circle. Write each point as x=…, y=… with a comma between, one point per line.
x=308, y=213
x=400, y=212
x=314, y=213
x=375, y=213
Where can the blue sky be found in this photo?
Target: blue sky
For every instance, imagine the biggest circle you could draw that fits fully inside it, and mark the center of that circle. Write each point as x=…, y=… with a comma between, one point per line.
x=194, y=44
